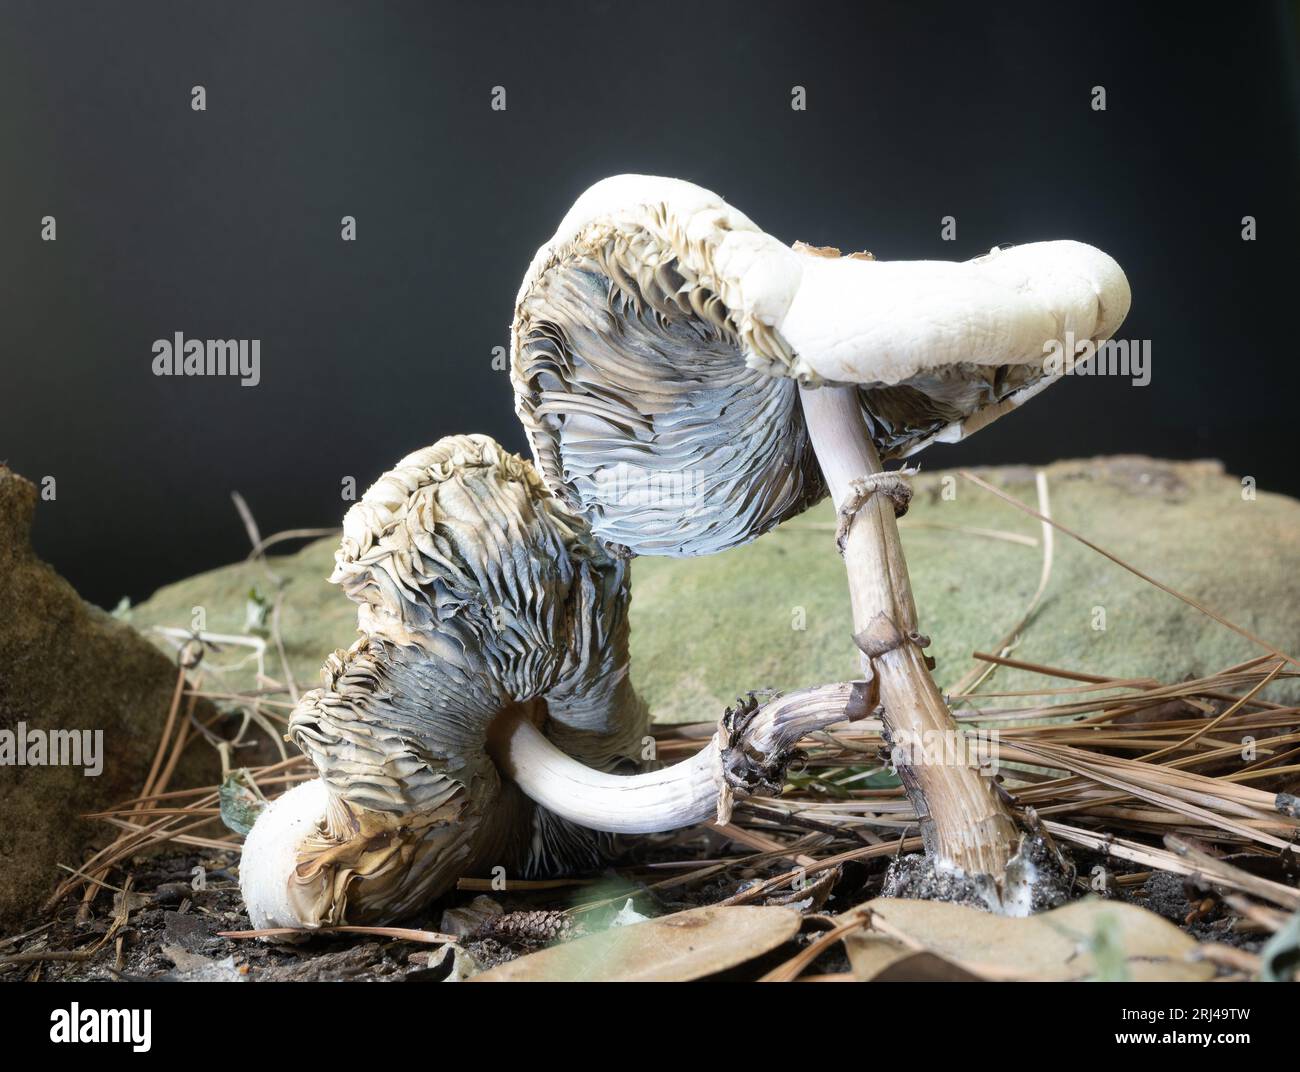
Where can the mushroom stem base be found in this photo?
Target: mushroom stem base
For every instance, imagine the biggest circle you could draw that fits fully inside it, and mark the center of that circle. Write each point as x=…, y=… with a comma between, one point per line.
x=965, y=824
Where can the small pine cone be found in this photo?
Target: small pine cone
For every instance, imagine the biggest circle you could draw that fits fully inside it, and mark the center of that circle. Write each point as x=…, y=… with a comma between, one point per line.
x=533, y=927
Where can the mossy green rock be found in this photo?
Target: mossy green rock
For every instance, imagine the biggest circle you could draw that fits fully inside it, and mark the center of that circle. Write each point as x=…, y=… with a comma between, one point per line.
x=775, y=614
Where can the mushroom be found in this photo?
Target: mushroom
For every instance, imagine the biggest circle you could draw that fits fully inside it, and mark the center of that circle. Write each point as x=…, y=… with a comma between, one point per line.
x=491, y=668
x=688, y=381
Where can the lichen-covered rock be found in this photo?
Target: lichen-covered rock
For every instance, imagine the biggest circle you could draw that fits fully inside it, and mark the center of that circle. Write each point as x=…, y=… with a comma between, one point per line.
x=776, y=613
x=704, y=628
x=76, y=686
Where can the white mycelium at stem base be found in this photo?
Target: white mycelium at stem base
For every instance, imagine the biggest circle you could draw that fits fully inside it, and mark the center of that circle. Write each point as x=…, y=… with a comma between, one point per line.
x=661, y=341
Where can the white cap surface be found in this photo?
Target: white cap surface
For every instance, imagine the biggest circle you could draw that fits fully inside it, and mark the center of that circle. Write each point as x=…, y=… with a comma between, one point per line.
x=271, y=854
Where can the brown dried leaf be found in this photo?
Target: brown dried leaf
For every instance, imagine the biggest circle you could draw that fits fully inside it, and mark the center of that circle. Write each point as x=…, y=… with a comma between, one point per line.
x=1083, y=940
x=676, y=948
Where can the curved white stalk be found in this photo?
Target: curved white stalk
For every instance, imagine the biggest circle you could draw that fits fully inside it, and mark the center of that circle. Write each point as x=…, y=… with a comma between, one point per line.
x=744, y=754
x=681, y=795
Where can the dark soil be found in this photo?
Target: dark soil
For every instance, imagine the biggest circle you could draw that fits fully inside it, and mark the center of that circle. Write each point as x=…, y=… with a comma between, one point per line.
x=1196, y=910
x=172, y=934
x=172, y=929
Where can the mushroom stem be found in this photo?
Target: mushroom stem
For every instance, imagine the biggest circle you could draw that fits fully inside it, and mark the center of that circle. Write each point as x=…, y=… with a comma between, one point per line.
x=748, y=754
x=965, y=824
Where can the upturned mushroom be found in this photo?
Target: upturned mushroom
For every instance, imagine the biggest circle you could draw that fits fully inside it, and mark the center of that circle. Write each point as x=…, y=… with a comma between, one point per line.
x=688, y=381
x=492, y=667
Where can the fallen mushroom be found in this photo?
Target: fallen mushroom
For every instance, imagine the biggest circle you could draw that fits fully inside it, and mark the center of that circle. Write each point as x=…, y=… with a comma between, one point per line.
x=492, y=659
x=687, y=382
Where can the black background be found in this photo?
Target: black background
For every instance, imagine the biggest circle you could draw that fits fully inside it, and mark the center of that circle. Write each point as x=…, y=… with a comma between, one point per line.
x=225, y=223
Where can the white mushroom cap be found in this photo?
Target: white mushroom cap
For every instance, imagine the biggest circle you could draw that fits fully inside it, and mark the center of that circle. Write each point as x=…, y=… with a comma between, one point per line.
x=660, y=332
x=756, y=276
x=271, y=853
x=868, y=321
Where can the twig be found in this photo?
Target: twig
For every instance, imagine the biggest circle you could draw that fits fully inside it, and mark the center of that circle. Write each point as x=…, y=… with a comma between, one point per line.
x=789, y=971
x=977, y=675
x=404, y=933
x=260, y=546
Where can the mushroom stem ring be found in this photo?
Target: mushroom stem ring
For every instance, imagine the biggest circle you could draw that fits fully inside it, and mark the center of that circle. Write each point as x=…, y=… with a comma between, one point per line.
x=893, y=484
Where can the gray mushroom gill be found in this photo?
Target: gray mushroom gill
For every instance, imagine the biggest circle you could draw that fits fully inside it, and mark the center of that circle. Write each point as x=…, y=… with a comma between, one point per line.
x=687, y=382
x=492, y=667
